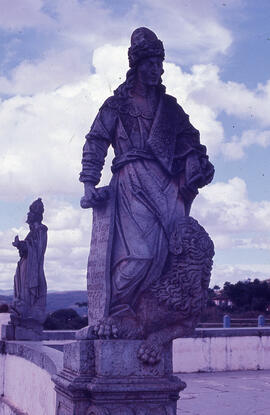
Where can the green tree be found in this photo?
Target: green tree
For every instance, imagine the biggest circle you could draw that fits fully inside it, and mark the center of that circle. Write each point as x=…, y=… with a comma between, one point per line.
x=248, y=295
x=65, y=319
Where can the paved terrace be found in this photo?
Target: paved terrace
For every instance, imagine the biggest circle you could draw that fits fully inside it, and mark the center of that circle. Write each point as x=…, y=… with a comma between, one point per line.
x=226, y=393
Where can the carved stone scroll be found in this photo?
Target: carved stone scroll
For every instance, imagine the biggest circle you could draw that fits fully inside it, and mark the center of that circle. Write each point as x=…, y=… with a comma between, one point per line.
x=97, y=282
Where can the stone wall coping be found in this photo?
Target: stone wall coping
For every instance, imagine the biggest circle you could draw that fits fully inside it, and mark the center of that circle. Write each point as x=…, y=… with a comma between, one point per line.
x=11, y=407
x=58, y=334
x=45, y=357
x=50, y=359
x=232, y=332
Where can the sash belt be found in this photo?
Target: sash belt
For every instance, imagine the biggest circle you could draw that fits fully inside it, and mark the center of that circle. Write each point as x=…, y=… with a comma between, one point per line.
x=132, y=155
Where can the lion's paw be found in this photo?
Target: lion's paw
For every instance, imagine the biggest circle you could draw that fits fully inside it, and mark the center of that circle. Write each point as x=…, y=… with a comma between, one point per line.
x=150, y=353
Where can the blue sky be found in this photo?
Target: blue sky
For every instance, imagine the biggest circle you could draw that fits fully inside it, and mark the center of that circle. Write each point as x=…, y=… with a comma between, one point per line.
x=60, y=59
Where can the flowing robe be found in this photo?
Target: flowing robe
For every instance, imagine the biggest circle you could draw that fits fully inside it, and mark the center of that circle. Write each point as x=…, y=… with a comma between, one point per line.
x=159, y=165
x=30, y=286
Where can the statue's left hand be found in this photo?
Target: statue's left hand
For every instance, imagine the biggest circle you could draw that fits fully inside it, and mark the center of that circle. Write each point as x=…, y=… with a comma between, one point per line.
x=194, y=174
x=16, y=241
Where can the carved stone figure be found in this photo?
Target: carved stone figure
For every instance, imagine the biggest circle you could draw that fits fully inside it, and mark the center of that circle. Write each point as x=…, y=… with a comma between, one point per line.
x=30, y=288
x=150, y=262
x=158, y=259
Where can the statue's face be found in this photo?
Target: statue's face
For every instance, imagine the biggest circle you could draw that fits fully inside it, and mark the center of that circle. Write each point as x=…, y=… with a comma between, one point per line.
x=149, y=71
x=30, y=217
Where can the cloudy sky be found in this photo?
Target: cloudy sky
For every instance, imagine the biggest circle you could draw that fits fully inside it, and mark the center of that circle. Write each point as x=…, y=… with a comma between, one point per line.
x=59, y=60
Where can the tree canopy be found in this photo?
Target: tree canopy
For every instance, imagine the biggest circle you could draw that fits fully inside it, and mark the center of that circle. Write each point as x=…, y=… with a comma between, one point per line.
x=248, y=295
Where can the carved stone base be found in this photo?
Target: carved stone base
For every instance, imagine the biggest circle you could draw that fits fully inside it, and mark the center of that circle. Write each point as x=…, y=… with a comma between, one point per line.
x=13, y=332
x=105, y=377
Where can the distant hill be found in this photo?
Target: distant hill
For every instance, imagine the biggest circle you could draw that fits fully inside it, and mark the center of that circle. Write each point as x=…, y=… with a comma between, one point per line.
x=6, y=298
x=6, y=292
x=57, y=300
x=67, y=299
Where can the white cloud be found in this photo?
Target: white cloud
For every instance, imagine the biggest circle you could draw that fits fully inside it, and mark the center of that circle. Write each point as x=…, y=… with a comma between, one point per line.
x=111, y=64
x=67, y=250
x=226, y=208
x=17, y=15
x=235, y=149
x=259, y=241
x=181, y=85
x=72, y=29
x=44, y=133
x=47, y=129
x=232, y=97
x=205, y=96
x=238, y=272
x=193, y=29
x=234, y=222
x=47, y=73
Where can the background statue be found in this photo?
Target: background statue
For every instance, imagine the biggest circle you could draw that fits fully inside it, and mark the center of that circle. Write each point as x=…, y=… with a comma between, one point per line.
x=158, y=258
x=30, y=288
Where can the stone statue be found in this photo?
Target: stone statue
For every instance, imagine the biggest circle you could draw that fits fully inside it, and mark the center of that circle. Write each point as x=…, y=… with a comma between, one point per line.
x=158, y=259
x=30, y=288
x=150, y=262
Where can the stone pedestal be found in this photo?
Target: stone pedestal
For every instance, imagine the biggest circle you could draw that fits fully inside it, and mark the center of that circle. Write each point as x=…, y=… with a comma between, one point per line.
x=105, y=377
x=12, y=332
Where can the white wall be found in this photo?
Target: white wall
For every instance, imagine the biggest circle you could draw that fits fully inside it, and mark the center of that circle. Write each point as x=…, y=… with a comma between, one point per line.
x=6, y=410
x=4, y=319
x=29, y=387
x=221, y=353
x=26, y=386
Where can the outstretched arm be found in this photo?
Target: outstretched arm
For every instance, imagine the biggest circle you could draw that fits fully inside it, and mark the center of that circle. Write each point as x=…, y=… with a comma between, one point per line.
x=21, y=246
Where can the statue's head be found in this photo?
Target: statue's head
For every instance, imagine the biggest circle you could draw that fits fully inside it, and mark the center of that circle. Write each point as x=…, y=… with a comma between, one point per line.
x=35, y=213
x=145, y=55
x=144, y=44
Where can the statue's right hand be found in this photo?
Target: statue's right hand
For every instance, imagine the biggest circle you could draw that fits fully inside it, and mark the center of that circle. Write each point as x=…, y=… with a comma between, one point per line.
x=89, y=190
x=92, y=196
x=16, y=241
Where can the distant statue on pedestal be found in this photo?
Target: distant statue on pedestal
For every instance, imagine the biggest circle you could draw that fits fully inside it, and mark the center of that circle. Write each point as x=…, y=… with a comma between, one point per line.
x=30, y=288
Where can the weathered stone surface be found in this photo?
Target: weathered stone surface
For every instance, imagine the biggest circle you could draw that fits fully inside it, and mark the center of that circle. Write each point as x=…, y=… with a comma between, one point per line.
x=97, y=282
x=13, y=332
x=79, y=357
x=8, y=332
x=120, y=358
x=150, y=262
x=7, y=408
x=105, y=377
x=25, y=371
x=58, y=334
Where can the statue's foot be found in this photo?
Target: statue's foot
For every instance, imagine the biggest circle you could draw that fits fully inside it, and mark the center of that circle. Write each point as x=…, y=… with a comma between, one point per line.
x=150, y=353
x=106, y=329
x=86, y=333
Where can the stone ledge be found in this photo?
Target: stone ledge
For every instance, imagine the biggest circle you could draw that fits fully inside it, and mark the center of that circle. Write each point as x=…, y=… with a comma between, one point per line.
x=232, y=332
x=58, y=334
x=45, y=357
x=4, y=402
